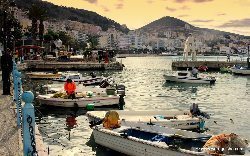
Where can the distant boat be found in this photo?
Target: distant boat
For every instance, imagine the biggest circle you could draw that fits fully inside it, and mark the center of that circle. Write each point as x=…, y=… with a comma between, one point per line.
x=43, y=75
x=186, y=77
x=77, y=77
x=168, y=54
x=238, y=70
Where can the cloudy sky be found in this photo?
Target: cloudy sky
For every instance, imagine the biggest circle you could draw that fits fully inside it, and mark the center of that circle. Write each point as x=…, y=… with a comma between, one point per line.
x=227, y=15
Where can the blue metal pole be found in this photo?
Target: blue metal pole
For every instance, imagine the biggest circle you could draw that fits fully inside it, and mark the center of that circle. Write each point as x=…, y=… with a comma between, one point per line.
x=29, y=145
x=17, y=92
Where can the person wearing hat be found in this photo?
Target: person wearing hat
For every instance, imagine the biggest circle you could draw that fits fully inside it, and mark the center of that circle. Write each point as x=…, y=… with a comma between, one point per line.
x=70, y=88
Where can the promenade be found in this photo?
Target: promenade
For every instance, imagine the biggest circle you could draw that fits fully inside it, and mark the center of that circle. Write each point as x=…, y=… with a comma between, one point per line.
x=9, y=133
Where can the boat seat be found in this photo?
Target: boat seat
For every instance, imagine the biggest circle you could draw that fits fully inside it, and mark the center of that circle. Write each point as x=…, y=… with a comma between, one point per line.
x=183, y=117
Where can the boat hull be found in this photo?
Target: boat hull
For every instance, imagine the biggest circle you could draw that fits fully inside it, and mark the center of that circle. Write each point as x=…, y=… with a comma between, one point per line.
x=131, y=147
x=43, y=75
x=81, y=102
x=169, y=78
x=119, y=141
x=240, y=71
x=184, y=121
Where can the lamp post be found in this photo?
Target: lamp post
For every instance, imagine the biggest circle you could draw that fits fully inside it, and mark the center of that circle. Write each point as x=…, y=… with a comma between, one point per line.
x=6, y=59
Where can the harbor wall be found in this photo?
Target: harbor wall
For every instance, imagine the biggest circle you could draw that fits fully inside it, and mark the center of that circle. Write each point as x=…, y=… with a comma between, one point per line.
x=42, y=65
x=212, y=65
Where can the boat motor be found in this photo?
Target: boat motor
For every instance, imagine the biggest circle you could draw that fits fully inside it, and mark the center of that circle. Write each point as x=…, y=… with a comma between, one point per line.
x=195, y=111
x=120, y=89
x=104, y=84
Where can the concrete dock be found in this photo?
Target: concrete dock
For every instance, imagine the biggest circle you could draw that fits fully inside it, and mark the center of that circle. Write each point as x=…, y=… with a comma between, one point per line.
x=212, y=65
x=10, y=135
x=44, y=65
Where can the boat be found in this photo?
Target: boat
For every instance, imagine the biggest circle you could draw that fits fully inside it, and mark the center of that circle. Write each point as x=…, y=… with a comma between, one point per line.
x=240, y=70
x=81, y=100
x=139, y=139
x=43, y=75
x=77, y=77
x=186, y=77
x=174, y=119
x=106, y=85
x=168, y=54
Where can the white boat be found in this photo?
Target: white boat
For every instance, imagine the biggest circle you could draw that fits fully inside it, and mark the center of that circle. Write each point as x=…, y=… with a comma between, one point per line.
x=101, y=100
x=240, y=70
x=174, y=119
x=137, y=139
x=77, y=77
x=186, y=77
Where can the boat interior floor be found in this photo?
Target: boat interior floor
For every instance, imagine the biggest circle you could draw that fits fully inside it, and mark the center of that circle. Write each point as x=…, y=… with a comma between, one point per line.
x=170, y=140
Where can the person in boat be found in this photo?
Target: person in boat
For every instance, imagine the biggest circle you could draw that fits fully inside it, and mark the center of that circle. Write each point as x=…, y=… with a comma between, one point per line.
x=70, y=88
x=194, y=72
x=228, y=57
x=225, y=144
x=111, y=120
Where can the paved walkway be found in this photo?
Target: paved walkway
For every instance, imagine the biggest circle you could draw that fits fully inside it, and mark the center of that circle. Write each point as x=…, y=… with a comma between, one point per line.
x=9, y=135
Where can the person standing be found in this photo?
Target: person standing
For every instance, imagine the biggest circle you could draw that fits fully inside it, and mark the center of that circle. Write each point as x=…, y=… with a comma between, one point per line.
x=194, y=72
x=6, y=65
x=70, y=88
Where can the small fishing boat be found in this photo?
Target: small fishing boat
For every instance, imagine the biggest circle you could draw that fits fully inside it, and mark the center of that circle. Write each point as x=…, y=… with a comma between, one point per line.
x=174, y=119
x=186, y=77
x=138, y=139
x=81, y=100
x=43, y=75
x=239, y=70
x=77, y=77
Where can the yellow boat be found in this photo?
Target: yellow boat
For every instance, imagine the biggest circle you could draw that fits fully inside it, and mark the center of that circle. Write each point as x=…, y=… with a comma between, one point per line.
x=44, y=75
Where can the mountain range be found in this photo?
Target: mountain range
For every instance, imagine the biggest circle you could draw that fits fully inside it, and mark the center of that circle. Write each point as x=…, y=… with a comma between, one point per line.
x=161, y=25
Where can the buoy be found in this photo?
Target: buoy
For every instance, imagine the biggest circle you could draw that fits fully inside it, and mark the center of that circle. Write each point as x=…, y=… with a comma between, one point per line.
x=90, y=107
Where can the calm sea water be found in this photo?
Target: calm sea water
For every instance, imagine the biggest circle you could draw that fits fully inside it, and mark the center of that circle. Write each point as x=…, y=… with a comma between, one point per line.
x=146, y=89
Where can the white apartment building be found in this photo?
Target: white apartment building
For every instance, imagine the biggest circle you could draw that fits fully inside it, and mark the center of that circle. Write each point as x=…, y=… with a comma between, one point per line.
x=124, y=42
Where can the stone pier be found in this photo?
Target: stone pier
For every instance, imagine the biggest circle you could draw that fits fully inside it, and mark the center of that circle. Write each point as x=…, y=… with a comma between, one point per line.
x=212, y=65
x=42, y=65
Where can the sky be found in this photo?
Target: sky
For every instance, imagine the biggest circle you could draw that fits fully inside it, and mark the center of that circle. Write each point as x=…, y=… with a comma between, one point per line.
x=227, y=15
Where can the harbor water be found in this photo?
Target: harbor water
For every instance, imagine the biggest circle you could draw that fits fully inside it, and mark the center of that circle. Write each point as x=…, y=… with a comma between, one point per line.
x=228, y=102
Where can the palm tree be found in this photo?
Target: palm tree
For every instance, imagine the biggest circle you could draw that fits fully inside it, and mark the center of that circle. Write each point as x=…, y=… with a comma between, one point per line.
x=37, y=12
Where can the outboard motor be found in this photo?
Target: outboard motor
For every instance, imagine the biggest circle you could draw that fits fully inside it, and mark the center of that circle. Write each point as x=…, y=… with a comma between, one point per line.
x=195, y=111
x=120, y=90
x=104, y=84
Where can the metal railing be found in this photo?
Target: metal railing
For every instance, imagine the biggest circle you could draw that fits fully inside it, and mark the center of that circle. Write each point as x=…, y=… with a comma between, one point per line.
x=25, y=113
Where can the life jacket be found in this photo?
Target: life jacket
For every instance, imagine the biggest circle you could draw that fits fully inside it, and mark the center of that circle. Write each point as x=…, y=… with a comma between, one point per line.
x=111, y=120
x=70, y=87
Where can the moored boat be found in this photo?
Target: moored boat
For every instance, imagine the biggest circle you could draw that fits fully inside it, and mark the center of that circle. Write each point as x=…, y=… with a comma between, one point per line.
x=77, y=77
x=186, y=77
x=79, y=101
x=240, y=70
x=138, y=139
x=43, y=75
x=174, y=119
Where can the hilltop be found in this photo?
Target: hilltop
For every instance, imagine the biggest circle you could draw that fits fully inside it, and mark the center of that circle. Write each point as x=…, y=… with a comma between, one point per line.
x=66, y=13
x=174, y=24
